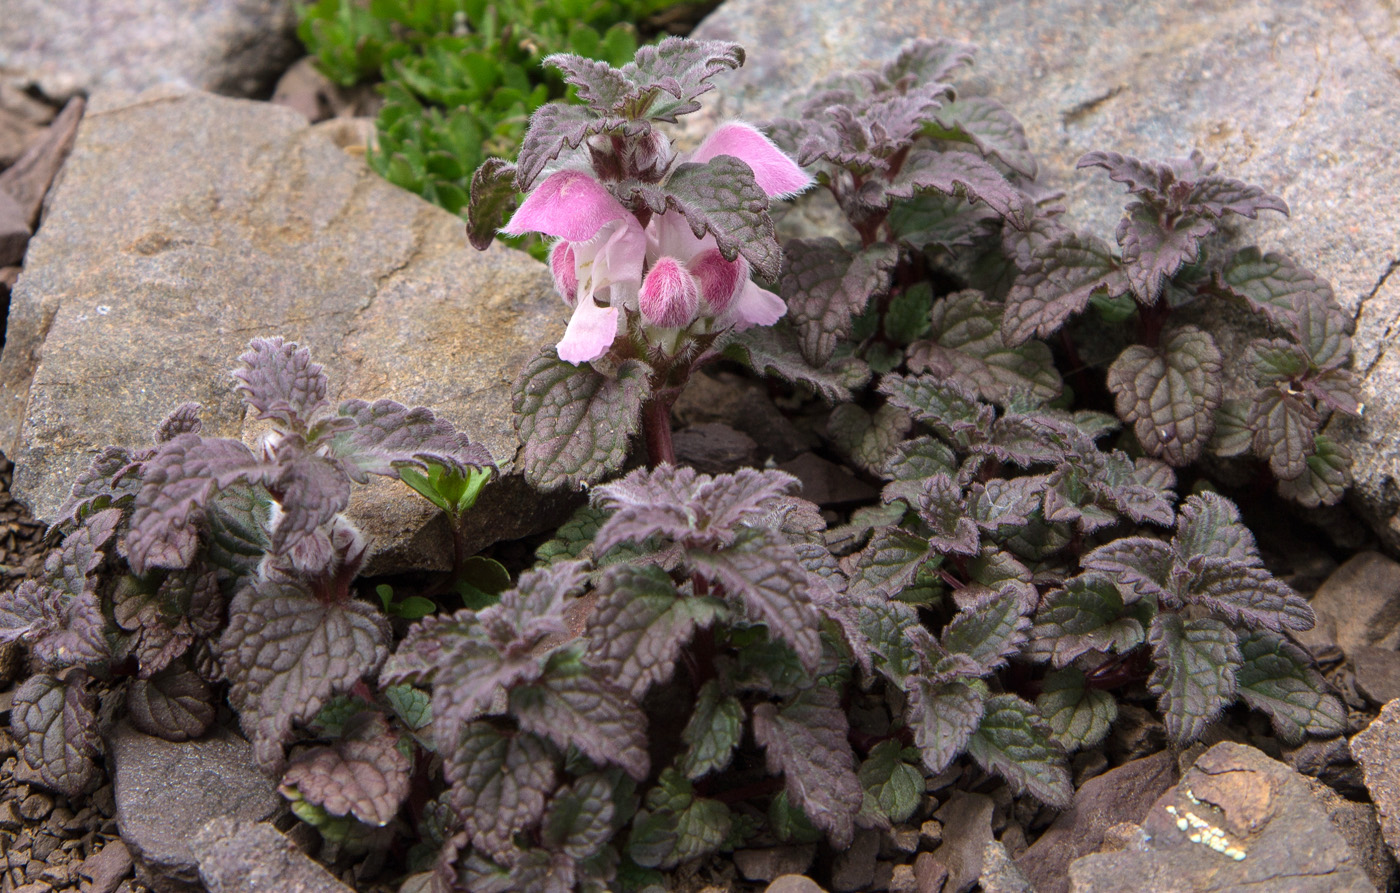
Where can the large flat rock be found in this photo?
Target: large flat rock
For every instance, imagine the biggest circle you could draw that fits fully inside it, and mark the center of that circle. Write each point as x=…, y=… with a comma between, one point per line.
x=184, y=225
x=1298, y=96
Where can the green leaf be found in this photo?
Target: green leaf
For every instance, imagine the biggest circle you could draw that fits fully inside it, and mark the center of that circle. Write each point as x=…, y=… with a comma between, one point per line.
x=1272, y=284
x=412, y=705
x=966, y=343
x=1013, y=741
x=1195, y=662
x=722, y=198
x=571, y=707
x=891, y=780
x=958, y=174
x=1088, y=614
x=1327, y=476
x=933, y=219
x=1170, y=395
x=884, y=624
x=1275, y=360
x=773, y=350
x=675, y=826
x=1210, y=526
x=952, y=412
x=986, y=124
x=1277, y=677
x=944, y=716
x=1285, y=430
x=869, y=440
x=713, y=732
x=907, y=314
x=577, y=423
x=500, y=783
x=580, y=817
x=1078, y=716
x=825, y=286
x=1232, y=435
x=989, y=631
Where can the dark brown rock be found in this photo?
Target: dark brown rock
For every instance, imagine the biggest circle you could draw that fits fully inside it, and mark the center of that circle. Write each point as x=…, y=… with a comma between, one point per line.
x=1363, y=598
x=22, y=122
x=929, y=874
x=14, y=234
x=239, y=856
x=106, y=868
x=714, y=448
x=854, y=868
x=1377, y=749
x=745, y=406
x=768, y=863
x=1121, y=795
x=827, y=483
x=1377, y=673
x=1237, y=820
x=967, y=829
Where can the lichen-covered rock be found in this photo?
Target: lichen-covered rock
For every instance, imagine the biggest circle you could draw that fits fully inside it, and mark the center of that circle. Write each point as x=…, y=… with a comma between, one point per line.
x=1297, y=96
x=184, y=225
x=238, y=47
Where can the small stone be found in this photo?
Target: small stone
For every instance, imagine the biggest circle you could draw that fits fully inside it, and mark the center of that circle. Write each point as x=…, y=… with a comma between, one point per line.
x=999, y=872
x=1330, y=762
x=745, y=406
x=794, y=883
x=106, y=868
x=903, y=880
x=899, y=841
x=827, y=483
x=1013, y=840
x=1136, y=733
x=714, y=448
x=1363, y=596
x=854, y=868
x=1122, y=836
x=967, y=828
x=1377, y=673
x=768, y=863
x=236, y=856
x=14, y=232
x=1377, y=749
x=9, y=816
x=43, y=846
x=306, y=90
x=36, y=806
x=930, y=834
x=930, y=874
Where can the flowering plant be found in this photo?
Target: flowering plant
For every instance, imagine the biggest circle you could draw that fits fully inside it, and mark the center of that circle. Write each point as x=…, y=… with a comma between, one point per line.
x=655, y=250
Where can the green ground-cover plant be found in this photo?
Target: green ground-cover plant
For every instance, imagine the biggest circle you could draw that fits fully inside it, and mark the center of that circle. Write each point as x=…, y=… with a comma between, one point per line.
x=696, y=662
x=460, y=78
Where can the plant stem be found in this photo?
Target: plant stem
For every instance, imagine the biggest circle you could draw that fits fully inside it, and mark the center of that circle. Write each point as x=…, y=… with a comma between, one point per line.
x=656, y=428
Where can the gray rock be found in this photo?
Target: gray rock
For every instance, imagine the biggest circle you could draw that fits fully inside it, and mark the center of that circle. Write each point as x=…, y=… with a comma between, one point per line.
x=1359, y=825
x=1377, y=749
x=1000, y=873
x=1362, y=597
x=238, y=47
x=106, y=868
x=164, y=790
x=1121, y=795
x=794, y=883
x=854, y=868
x=159, y=258
x=714, y=448
x=1297, y=96
x=1377, y=673
x=768, y=863
x=1238, y=820
x=237, y=856
x=967, y=829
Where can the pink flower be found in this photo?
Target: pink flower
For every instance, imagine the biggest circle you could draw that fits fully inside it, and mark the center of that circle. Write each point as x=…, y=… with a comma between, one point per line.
x=603, y=253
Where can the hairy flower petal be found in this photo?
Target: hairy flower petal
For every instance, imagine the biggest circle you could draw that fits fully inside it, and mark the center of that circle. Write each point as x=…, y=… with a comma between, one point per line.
x=590, y=333
x=718, y=278
x=754, y=306
x=570, y=205
x=670, y=296
x=562, y=265
x=776, y=173
x=610, y=264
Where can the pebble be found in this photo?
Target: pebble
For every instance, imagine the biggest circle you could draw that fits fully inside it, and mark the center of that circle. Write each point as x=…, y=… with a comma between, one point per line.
x=930, y=834
x=793, y=883
x=9, y=816
x=36, y=806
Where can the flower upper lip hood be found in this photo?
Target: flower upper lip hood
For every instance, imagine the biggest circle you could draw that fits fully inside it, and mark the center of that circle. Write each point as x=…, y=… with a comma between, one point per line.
x=604, y=259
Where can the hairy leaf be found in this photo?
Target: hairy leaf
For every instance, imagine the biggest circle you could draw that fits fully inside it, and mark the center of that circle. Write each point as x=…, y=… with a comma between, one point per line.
x=825, y=285
x=640, y=625
x=891, y=781
x=54, y=721
x=682, y=68
x=579, y=819
x=388, y=436
x=940, y=504
x=934, y=219
x=961, y=174
x=722, y=198
x=1327, y=476
x=1078, y=716
x=1065, y=275
x=675, y=825
x=1194, y=672
x=174, y=704
x=988, y=125
x=713, y=732
x=1248, y=595
x=364, y=774
x=966, y=343
x=943, y=716
x=492, y=201
x=500, y=783
x=1088, y=614
x=1155, y=247
x=1285, y=427
x=914, y=460
x=108, y=482
x=570, y=707
x=1278, y=678
x=1001, y=502
x=773, y=350
x=1210, y=526
x=1013, y=741
x=868, y=439
x=990, y=631
x=556, y=126
x=950, y=409
x=287, y=652
x=1273, y=285
x=279, y=381
x=1170, y=395
x=1142, y=564
x=576, y=423
x=805, y=740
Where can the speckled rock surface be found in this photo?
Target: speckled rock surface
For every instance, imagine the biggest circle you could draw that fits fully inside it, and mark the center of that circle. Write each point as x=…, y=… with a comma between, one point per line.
x=186, y=224
x=237, y=856
x=1298, y=96
x=237, y=47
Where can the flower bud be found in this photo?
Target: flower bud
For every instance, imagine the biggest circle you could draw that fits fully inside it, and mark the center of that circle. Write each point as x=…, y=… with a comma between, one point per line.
x=562, y=265
x=718, y=278
x=669, y=297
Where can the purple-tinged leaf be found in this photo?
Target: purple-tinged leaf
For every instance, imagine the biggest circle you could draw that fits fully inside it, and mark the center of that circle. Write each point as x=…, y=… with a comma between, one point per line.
x=576, y=423
x=110, y=481
x=1248, y=595
x=279, y=381
x=1064, y=276
x=1232, y=435
x=556, y=126
x=580, y=817
x=896, y=786
x=676, y=826
x=311, y=490
x=868, y=439
x=600, y=86
x=1078, y=716
x=682, y=68
x=1336, y=389
x=1005, y=501
x=499, y=784
x=773, y=350
x=174, y=704
x=1142, y=564
x=947, y=407
x=54, y=722
x=1149, y=179
x=570, y=707
x=1216, y=195
x=364, y=774
x=1273, y=285
x=1087, y=614
x=825, y=285
x=1170, y=394
x=960, y=174
x=1210, y=526
x=1277, y=677
x=805, y=740
x=912, y=461
x=1194, y=672
x=721, y=197
x=925, y=61
x=885, y=623
x=166, y=620
x=940, y=504
x=183, y=420
x=766, y=578
x=1285, y=427
x=1321, y=329
x=986, y=124
x=934, y=219
x=713, y=732
x=943, y=716
x=1024, y=440
x=1275, y=360
x=1155, y=248
x=388, y=436
x=1014, y=742
x=640, y=625
x=492, y=201
x=287, y=653
x=889, y=563
x=990, y=631
x=1327, y=477
x=965, y=343
x=179, y=481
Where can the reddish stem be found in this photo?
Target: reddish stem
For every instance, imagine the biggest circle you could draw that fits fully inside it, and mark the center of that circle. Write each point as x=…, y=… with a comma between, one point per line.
x=656, y=428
